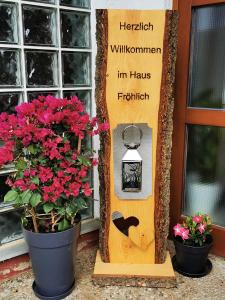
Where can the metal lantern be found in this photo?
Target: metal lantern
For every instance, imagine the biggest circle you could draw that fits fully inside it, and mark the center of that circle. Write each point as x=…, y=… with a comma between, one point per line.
x=132, y=161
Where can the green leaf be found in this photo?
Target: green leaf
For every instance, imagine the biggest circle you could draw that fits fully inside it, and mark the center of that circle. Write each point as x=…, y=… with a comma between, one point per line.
x=61, y=211
x=63, y=225
x=19, y=174
x=71, y=210
x=11, y=196
x=18, y=202
x=48, y=207
x=32, y=149
x=21, y=165
x=26, y=195
x=80, y=203
x=86, y=179
x=24, y=221
x=35, y=180
x=84, y=160
x=42, y=160
x=35, y=199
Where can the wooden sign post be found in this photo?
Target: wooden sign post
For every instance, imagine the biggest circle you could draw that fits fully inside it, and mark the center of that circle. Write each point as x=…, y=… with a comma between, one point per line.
x=134, y=91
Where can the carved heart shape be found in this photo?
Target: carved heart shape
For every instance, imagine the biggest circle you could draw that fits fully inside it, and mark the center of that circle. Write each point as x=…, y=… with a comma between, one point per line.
x=122, y=224
x=129, y=227
x=141, y=238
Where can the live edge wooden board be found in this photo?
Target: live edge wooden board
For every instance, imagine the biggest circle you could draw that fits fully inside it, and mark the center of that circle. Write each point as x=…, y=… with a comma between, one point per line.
x=135, y=70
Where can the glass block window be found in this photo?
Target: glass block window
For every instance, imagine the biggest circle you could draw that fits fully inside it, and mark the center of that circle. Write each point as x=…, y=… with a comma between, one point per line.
x=76, y=3
x=73, y=24
x=8, y=32
x=39, y=25
x=45, y=49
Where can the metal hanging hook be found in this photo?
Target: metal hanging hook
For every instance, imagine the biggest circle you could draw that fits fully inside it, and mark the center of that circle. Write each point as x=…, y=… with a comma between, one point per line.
x=134, y=144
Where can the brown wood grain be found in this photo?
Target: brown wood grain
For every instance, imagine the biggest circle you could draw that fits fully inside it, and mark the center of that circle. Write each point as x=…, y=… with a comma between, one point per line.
x=205, y=117
x=181, y=87
x=165, y=128
x=205, y=2
x=218, y=240
x=175, y=4
x=105, y=138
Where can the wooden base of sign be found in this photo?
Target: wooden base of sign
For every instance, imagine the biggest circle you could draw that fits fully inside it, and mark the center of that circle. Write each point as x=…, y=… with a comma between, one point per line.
x=145, y=275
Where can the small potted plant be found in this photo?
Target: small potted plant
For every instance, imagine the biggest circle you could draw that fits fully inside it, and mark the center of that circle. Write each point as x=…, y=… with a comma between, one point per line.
x=192, y=241
x=46, y=141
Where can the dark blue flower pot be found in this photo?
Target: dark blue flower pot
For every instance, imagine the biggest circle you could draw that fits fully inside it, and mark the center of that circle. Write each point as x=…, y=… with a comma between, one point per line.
x=52, y=258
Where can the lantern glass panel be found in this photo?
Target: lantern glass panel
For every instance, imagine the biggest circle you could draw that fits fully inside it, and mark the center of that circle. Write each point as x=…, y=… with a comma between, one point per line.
x=131, y=176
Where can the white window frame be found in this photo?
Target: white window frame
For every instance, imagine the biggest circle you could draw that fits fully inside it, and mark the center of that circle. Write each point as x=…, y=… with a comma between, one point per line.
x=19, y=247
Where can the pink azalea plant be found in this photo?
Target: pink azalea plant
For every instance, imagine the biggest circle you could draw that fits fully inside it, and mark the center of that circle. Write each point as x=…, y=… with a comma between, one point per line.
x=46, y=141
x=195, y=230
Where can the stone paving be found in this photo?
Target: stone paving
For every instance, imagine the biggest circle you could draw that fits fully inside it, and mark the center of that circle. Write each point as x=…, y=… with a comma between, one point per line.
x=210, y=287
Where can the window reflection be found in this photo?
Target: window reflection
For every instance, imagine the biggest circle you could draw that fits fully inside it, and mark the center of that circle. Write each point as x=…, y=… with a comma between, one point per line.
x=205, y=172
x=207, y=62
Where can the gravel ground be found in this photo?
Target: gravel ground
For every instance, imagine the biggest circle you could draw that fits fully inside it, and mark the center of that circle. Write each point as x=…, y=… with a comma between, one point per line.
x=211, y=287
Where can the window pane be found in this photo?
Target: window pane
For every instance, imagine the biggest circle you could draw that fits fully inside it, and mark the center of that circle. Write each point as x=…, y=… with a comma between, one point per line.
x=45, y=1
x=8, y=102
x=207, y=75
x=9, y=66
x=3, y=190
x=75, y=29
x=33, y=95
x=41, y=68
x=205, y=172
x=76, y=69
x=76, y=3
x=8, y=26
x=84, y=96
x=39, y=26
x=88, y=212
x=10, y=226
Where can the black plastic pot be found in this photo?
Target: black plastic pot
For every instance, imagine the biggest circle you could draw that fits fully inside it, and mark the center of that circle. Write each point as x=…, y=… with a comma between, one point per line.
x=52, y=258
x=192, y=261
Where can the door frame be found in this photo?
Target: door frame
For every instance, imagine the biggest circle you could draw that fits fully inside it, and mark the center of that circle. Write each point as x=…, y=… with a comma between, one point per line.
x=185, y=115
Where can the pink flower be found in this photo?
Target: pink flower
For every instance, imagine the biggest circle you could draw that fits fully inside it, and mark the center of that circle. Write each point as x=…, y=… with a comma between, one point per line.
x=185, y=234
x=6, y=156
x=45, y=174
x=82, y=173
x=74, y=156
x=45, y=117
x=201, y=228
x=25, y=109
x=60, y=174
x=20, y=183
x=197, y=219
x=32, y=187
x=54, y=153
x=94, y=162
x=178, y=230
x=86, y=189
x=103, y=126
x=71, y=170
x=29, y=172
x=94, y=121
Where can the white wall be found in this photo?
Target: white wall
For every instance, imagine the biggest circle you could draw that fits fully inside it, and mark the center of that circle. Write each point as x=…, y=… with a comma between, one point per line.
x=132, y=4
